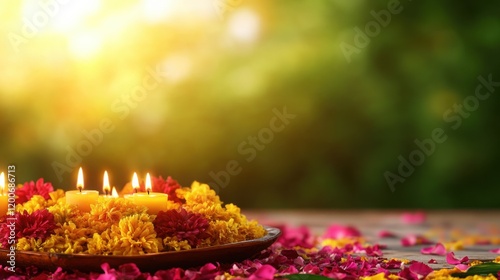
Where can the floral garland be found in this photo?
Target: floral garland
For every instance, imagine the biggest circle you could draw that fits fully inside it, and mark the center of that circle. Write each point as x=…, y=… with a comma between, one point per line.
x=195, y=218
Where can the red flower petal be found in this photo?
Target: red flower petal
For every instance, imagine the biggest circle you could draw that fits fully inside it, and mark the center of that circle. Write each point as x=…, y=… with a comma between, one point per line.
x=462, y=267
x=437, y=249
x=420, y=268
x=339, y=231
x=414, y=218
x=265, y=272
x=433, y=261
x=496, y=251
x=451, y=259
x=386, y=234
x=413, y=239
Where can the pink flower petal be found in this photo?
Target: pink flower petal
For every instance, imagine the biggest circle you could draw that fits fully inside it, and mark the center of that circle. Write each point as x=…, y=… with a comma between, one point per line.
x=265, y=272
x=414, y=218
x=420, y=268
x=451, y=259
x=339, y=231
x=462, y=267
x=413, y=239
x=386, y=234
x=496, y=251
x=437, y=249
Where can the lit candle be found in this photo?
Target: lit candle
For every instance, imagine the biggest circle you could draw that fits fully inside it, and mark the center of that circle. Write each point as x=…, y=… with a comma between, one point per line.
x=81, y=198
x=114, y=193
x=105, y=184
x=4, y=198
x=108, y=194
x=155, y=202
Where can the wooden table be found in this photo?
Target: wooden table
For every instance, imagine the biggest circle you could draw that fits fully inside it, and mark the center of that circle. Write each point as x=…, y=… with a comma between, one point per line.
x=442, y=223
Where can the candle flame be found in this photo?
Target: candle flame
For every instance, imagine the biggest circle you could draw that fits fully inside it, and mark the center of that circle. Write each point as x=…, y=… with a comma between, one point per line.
x=2, y=181
x=135, y=182
x=79, y=182
x=105, y=183
x=148, y=183
x=114, y=193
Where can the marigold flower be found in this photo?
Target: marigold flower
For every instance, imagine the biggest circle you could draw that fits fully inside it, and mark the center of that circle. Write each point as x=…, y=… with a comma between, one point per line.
x=38, y=225
x=29, y=189
x=181, y=224
x=134, y=235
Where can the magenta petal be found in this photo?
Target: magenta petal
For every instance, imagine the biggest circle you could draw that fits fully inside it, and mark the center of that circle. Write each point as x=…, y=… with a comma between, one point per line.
x=265, y=272
x=339, y=231
x=462, y=267
x=437, y=249
x=450, y=258
x=386, y=234
x=496, y=251
x=412, y=240
x=413, y=218
x=420, y=268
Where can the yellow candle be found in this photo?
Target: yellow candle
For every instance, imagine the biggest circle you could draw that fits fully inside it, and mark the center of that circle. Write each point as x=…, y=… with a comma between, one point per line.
x=4, y=198
x=155, y=202
x=81, y=198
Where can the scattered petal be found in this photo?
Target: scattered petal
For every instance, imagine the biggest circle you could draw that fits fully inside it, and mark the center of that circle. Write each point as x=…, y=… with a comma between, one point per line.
x=451, y=259
x=339, y=232
x=437, y=249
x=462, y=267
x=265, y=272
x=413, y=218
x=433, y=261
x=496, y=251
x=420, y=268
x=413, y=239
x=386, y=234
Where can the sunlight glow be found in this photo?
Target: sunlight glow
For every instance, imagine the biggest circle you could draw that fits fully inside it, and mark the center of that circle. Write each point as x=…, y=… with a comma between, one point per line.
x=244, y=25
x=85, y=45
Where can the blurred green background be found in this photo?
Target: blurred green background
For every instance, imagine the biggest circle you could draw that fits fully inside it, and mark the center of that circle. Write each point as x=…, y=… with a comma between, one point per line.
x=76, y=68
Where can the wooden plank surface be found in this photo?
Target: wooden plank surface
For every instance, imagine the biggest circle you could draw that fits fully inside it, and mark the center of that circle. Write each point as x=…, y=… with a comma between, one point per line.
x=440, y=226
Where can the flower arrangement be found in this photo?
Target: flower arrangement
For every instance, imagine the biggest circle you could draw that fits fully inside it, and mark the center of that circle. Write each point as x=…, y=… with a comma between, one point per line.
x=195, y=217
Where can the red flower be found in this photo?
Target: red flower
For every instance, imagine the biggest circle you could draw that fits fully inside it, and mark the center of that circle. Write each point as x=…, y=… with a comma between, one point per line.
x=183, y=224
x=29, y=189
x=39, y=224
x=168, y=186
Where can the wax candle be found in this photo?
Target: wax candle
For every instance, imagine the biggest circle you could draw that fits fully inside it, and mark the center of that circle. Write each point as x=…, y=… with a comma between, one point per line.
x=4, y=198
x=81, y=198
x=155, y=202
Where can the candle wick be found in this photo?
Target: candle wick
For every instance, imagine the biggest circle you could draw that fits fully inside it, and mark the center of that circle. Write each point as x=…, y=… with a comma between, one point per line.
x=135, y=190
x=80, y=188
x=148, y=191
x=106, y=192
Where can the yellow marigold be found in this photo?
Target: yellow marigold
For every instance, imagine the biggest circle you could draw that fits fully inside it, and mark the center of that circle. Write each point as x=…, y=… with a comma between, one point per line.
x=380, y=276
x=57, y=196
x=114, y=209
x=201, y=193
x=29, y=244
x=69, y=239
x=97, y=245
x=222, y=232
x=341, y=242
x=173, y=244
x=134, y=235
x=62, y=212
x=37, y=202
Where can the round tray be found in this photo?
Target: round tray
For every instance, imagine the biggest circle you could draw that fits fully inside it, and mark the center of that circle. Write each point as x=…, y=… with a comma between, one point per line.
x=226, y=253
